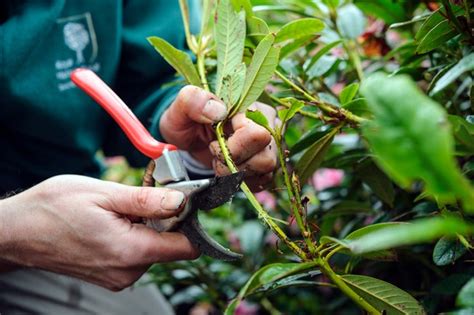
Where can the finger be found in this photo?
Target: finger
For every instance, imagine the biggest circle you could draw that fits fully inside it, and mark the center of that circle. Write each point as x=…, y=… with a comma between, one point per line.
x=240, y=119
x=263, y=162
x=246, y=141
x=147, y=202
x=151, y=247
x=195, y=105
x=259, y=182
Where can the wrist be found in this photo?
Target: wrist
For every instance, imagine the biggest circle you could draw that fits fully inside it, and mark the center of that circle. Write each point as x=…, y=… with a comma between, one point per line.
x=7, y=234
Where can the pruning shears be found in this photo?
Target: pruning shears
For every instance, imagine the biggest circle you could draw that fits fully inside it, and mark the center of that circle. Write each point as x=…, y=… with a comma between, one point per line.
x=167, y=169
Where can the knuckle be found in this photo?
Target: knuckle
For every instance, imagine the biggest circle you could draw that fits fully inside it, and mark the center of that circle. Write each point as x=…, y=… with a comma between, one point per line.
x=260, y=135
x=141, y=197
x=266, y=163
x=188, y=90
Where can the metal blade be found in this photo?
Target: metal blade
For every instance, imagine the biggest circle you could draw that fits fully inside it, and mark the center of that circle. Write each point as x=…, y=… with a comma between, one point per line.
x=220, y=190
x=199, y=238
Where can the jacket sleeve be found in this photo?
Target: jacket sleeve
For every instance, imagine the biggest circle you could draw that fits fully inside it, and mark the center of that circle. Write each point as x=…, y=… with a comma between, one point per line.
x=144, y=79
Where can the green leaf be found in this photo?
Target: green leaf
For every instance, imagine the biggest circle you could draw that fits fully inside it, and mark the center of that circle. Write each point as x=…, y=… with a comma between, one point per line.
x=313, y=156
x=383, y=255
x=348, y=93
x=418, y=126
x=351, y=21
x=232, y=85
x=383, y=296
x=378, y=181
x=266, y=275
x=434, y=19
x=447, y=251
x=257, y=26
x=359, y=107
x=388, y=10
x=259, y=118
x=322, y=67
x=292, y=46
x=371, y=229
x=463, y=132
x=260, y=71
x=466, y=64
x=418, y=231
x=307, y=139
x=321, y=53
x=465, y=297
x=299, y=28
x=437, y=36
x=246, y=5
x=229, y=32
x=178, y=59
x=288, y=113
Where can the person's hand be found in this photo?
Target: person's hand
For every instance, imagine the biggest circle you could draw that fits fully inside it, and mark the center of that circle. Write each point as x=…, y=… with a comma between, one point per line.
x=187, y=123
x=79, y=226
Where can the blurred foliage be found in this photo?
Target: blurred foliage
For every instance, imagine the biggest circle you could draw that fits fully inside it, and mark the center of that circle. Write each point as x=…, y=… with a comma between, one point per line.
x=374, y=150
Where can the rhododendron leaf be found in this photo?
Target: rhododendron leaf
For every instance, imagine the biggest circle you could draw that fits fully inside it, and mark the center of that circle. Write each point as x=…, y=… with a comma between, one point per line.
x=292, y=46
x=447, y=251
x=411, y=138
x=178, y=59
x=465, y=297
x=229, y=31
x=321, y=53
x=383, y=296
x=351, y=21
x=388, y=10
x=307, y=139
x=416, y=232
x=434, y=19
x=288, y=113
x=313, y=156
x=348, y=93
x=299, y=28
x=437, y=36
x=464, y=65
x=259, y=118
x=463, y=132
x=378, y=181
x=257, y=26
x=232, y=85
x=260, y=71
x=266, y=275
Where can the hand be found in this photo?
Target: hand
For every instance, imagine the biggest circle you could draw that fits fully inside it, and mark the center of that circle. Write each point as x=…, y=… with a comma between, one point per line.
x=78, y=226
x=187, y=123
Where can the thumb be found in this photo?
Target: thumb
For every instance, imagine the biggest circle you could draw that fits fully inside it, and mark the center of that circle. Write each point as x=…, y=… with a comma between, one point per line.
x=196, y=105
x=146, y=202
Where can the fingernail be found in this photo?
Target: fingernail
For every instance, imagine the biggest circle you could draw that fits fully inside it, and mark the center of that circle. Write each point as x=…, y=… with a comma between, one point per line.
x=214, y=110
x=172, y=200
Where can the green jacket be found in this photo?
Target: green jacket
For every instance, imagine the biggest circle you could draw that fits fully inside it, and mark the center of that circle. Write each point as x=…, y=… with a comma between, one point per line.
x=47, y=125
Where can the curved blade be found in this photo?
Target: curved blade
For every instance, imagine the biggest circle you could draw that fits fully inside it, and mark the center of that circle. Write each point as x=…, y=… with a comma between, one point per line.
x=220, y=190
x=196, y=235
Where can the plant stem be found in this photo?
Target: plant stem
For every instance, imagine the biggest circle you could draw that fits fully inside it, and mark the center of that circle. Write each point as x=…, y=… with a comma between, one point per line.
x=201, y=68
x=351, y=49
x=293, y=196
x=336, y=279
x=183, y=4
x=301, y=112
x=452, y=18
x=262, y=214
x=329, y=109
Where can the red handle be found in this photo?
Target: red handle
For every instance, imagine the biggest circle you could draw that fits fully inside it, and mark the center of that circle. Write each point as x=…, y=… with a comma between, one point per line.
x=90, y=83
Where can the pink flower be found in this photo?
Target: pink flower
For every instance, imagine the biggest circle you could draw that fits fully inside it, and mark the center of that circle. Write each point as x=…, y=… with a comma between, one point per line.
x=266, y=199
x=327, y=178
x=245, y=308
